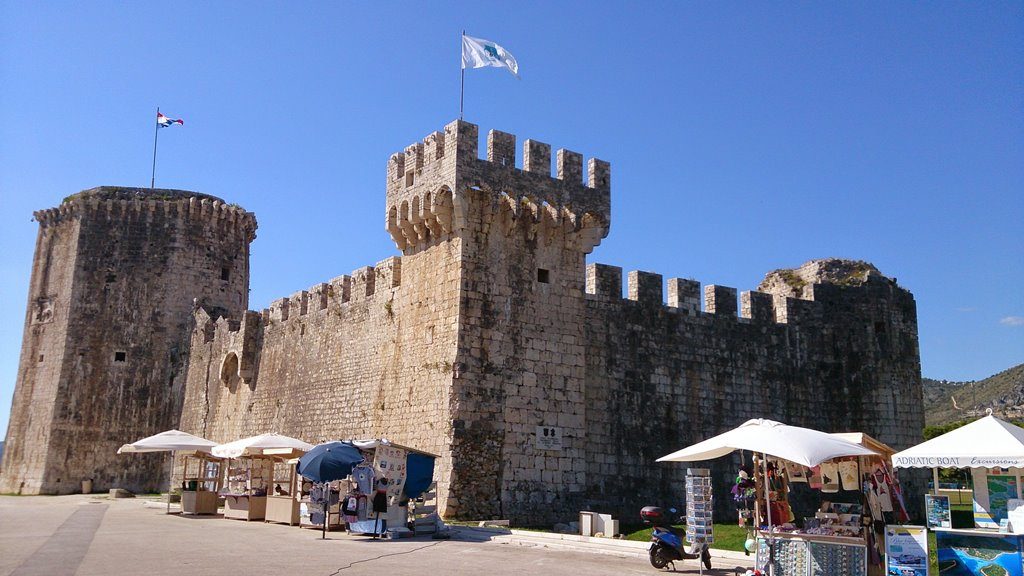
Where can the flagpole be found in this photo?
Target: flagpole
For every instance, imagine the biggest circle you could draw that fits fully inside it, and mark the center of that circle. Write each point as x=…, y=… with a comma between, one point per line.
x=462, y=86
x=156, y=134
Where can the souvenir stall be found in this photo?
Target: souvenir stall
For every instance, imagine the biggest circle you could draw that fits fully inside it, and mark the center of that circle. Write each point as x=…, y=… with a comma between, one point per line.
x=993, y=450
x=249, y=479
x=200, y=483
x=835, y=542
x=371, y=495
x=285, y=496
x=199, y=490
x=856, y=496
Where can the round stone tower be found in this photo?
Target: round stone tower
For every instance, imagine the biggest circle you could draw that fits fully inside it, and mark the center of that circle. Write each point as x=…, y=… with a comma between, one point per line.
x=116, y=277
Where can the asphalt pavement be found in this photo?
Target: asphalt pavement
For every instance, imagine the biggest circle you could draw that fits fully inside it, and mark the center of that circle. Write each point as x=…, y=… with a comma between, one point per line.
x=84, y=536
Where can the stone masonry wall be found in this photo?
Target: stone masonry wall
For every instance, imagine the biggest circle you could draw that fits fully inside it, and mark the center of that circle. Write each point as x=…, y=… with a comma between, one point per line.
x=35, y=395
x=364, y=356
x=661, y=377
x=134, y=264
x=490, y=329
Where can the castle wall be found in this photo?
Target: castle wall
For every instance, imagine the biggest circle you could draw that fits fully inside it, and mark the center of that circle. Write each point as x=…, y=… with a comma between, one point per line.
x=364, y=356
x=660, y=377
x=134, y=265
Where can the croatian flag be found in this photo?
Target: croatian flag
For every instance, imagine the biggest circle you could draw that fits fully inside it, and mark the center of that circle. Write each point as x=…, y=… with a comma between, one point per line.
x=164, y=121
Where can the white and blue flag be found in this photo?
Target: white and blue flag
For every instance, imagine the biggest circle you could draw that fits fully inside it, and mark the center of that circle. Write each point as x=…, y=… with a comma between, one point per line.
x=478, y=53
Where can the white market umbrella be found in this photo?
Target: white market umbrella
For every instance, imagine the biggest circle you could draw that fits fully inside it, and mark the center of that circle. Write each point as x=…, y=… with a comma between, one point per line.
x=169, y=441
x=801, y=445
x=255, y=445
x=987, y=442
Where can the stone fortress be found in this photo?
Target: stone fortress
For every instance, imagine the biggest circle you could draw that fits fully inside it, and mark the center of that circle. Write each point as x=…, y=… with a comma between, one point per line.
x=489, y=342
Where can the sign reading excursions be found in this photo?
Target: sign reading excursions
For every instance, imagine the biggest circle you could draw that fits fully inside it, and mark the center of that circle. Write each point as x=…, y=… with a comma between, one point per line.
x=957, y=462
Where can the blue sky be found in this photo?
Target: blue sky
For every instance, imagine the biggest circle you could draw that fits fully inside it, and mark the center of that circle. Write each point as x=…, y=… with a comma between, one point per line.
x=743, y=137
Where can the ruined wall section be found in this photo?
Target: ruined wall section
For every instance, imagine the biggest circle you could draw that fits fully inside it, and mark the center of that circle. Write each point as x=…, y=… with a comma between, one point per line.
x=23, y=470
x=660, y=377
x=143, y=259
x=524, y=234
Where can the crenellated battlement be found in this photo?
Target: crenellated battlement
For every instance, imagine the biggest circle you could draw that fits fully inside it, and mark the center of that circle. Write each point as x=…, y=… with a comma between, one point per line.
x=429, y=184
x=366, y=283
x=113, y=203
x=604, y=283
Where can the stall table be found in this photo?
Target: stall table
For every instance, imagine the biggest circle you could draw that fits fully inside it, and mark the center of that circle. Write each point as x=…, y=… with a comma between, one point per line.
x=245, y=507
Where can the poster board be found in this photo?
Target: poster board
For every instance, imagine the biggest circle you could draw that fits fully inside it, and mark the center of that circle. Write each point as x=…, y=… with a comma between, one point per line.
x=1015, y=515
x=966, y=554
x=906, y=550
x=937, y=511
x=993, y=488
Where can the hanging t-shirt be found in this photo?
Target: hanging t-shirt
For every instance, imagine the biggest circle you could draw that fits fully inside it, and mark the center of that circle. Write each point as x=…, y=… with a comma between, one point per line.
x=380, y=502
x=849, y=473
x=874, y=506
x=829, y=477
x=363, y=476
x=882, y=489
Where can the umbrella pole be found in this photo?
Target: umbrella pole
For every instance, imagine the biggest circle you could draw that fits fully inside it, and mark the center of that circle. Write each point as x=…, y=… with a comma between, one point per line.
x=327, y=509
x=768, y=513
x=935, y=480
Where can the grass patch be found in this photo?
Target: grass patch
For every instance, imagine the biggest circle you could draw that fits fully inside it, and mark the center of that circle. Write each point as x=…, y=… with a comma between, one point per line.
x=727, y=536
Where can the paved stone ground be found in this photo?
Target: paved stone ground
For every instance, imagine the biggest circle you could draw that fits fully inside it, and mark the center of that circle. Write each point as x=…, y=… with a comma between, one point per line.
x=67, y=535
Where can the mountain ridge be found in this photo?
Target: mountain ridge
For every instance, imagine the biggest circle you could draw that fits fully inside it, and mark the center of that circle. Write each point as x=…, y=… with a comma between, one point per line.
x=948, y=401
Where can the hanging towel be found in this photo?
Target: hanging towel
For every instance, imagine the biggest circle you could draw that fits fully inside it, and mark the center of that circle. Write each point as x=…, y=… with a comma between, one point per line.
x=829, y=477
x=815, y=479
x=796, y=472
x=849, y=473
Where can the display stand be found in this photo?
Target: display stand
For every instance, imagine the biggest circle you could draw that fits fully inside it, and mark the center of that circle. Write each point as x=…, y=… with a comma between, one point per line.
x=308, y=510
x=699, y=507
x=802, y=553
x=199, y=489
x=245, y=494
x=284, y=508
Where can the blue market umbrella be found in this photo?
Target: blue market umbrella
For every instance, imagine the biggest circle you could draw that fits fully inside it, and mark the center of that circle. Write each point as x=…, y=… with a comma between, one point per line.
x=328, y=462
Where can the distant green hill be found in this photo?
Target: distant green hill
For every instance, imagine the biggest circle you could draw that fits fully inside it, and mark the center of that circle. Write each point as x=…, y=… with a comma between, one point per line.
x=1003, y=393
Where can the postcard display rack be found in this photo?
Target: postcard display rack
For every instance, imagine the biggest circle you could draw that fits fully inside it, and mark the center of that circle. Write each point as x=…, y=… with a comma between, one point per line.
x=245, y=495
x=805, y=555
x=699, y=527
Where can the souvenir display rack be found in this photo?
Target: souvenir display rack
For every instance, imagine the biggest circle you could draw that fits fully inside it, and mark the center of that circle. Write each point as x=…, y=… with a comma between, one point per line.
x=699, y=505
x=199, y=490
x=245, y=490
x=837, y=539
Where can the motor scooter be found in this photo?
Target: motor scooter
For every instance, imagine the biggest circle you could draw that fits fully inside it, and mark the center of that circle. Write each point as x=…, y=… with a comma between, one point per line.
x=667, y=541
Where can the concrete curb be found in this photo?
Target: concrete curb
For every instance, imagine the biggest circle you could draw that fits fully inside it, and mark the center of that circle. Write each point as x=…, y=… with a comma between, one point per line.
x=624, y=548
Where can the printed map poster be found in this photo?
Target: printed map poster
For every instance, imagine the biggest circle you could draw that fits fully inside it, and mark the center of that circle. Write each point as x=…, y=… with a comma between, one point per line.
x=1001, y=488
x=906, y=550
x=937, y=510
x=978, y=555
